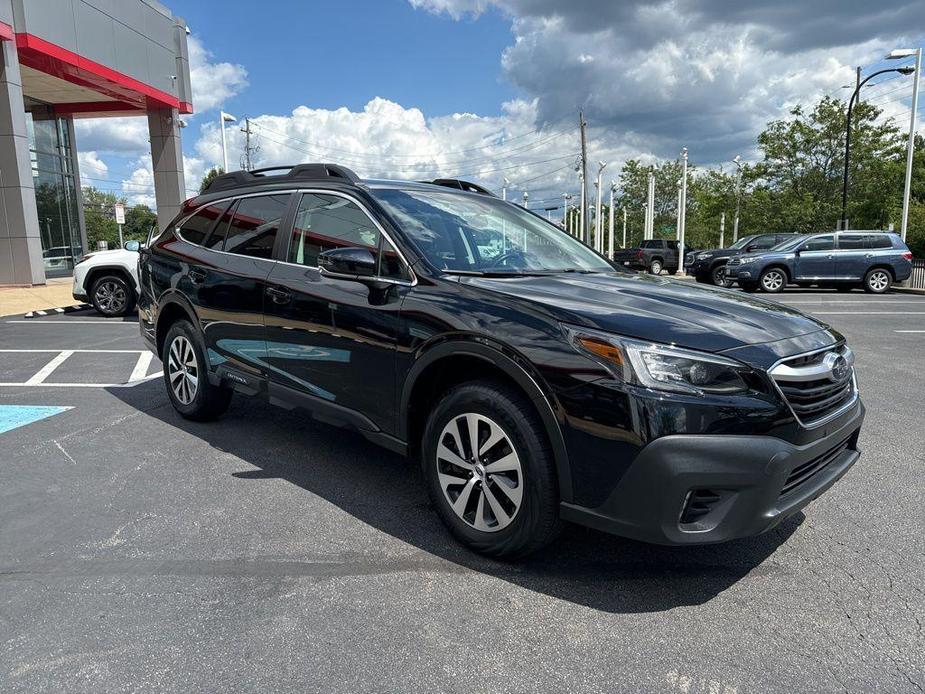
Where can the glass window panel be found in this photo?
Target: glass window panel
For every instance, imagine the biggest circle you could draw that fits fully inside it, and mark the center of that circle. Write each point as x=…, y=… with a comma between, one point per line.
x=197, y=227
x=324, y=222
x=253, y=227
x=820, y=243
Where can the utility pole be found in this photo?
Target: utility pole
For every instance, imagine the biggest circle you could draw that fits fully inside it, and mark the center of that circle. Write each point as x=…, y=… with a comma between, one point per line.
x=613, y=188
x=624, y=226
x=735, y=220
x=722, y=230
x=584, y=173
x=248, y=148
x=681, y=242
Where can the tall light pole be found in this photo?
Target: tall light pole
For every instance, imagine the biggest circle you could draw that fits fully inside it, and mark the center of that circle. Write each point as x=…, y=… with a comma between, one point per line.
x=565, y=198
x=526, y=197
x=645, y=221
x=681, y=241
x=504, y=184
x=624, y=226
x=904, y=70
x=735, y=220
x=678, y=223
x=225, y=118
x=651, y=206
x=581, y=210
x=722, y=230
x=613, y=188
x=910, y=147
x=598, y=228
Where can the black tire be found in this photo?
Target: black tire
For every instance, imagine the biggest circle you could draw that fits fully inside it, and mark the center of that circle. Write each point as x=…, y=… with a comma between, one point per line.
x=750, y=287
x=773, y=280
x=702, y=279
x=111, y=295
x=533, y=523
x=673, y=272
x=878, y=281
x=206, y=401
x=718, y=277
x=655, y=267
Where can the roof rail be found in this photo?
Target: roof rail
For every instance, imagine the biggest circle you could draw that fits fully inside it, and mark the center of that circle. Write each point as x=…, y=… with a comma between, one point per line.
x=459, y=184
x=299, y=172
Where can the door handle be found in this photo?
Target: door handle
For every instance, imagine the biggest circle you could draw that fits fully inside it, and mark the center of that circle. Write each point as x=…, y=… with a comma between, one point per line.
x=830, y=256
x=196, y=276
x=279, y=296
x=868, y=255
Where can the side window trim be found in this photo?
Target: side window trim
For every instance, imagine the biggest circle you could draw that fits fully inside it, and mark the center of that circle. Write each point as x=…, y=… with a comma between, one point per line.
x=283, y=256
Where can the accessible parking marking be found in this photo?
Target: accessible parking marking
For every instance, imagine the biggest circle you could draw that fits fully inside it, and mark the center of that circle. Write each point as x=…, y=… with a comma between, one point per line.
x=15, y=416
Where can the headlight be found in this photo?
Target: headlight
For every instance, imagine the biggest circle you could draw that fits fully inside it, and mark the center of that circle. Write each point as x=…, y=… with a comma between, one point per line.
x=703, y=256
x=745, y=261
x=660, y=366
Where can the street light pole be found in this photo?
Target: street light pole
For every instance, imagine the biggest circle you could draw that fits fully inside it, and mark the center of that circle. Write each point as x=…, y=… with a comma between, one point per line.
x=683, y=210
x=598, y=226
x=581, y=210
x=624, y=226
x=910, y=147
x=225, y=118
x=613, y=188
x=735, y=220
x=904, y=70
x=565, y=198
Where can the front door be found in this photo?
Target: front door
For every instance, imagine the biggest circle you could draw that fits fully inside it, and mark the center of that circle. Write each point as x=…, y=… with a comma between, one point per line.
x=329, y=337
x=816, y=260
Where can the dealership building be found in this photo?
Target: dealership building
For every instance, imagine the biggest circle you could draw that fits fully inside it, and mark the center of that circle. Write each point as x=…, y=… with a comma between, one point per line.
x=67, y=59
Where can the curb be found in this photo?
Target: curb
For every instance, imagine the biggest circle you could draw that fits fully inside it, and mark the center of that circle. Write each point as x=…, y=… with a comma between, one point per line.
x=908, y=290
x=55, y=311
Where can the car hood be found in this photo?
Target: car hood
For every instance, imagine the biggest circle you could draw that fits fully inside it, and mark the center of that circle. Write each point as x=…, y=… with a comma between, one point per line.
x=668, y=311
x=114, y=255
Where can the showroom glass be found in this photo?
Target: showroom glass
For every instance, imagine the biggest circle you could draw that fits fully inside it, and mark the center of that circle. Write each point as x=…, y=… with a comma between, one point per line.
x=820, y=243
x=325, y=222
x=478, y=233
x=252, y=229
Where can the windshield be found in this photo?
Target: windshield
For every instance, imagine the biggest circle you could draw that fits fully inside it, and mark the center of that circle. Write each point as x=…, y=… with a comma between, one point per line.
x=477, y=233
x=743, y=242
x=789, y=244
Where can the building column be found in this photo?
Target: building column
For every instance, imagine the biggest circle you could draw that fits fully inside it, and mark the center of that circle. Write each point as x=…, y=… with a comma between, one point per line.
x=78, y=188
x=20, y=242
x=167, y=163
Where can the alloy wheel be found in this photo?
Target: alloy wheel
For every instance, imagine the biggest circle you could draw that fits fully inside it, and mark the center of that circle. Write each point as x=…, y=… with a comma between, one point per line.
x=878, y=281
x=110, y=296
x=719, y=277
x=656, y=268
x=183, y=370
x=479, y=472
x=772, y=281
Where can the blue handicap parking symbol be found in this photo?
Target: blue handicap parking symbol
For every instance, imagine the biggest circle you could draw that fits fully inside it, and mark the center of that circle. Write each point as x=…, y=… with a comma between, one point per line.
x=14, y=416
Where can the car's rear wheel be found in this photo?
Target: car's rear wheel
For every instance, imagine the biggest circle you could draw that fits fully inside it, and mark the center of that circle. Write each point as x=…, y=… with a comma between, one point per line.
x=111, y=295
x=655, y=267
x=878, y=281
x=490, y=471
x=773, y=280
x=186, y=376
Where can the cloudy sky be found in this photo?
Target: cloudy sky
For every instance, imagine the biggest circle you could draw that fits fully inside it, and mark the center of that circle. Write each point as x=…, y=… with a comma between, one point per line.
x=490, y=89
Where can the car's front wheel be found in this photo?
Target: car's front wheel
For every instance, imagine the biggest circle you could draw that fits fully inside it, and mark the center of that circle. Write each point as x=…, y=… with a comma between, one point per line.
x=186, y=377
x=773, y=280
x=111, y=295
x=490, y=470
x=878, y=281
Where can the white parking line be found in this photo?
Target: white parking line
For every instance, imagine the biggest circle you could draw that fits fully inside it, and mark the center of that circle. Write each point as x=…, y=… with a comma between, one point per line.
x=47, y=370
x=909, y=331
x=73, y=322
x=869, y=313
x=852, y=301
x=73, y=351
x=141, y=367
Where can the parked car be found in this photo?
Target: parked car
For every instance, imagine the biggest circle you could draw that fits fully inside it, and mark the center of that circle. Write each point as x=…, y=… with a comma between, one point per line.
x=653, y=255
x=709, y=265
x=109, y=280
x=534, y=382
x=869, y=259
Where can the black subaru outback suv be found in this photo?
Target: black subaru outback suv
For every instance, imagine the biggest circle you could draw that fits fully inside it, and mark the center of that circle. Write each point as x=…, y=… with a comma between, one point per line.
x=534, y=381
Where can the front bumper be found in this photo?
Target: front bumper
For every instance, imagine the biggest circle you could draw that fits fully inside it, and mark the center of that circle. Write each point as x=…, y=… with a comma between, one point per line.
x=755, y=483
x=743, y=273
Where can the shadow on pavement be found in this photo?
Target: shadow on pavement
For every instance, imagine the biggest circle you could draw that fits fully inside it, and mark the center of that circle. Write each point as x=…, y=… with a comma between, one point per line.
x=384, y=490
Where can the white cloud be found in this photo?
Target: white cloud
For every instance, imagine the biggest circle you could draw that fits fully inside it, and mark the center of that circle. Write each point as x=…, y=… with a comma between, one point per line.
x=138, y=187
x=213, y=83
x=122, y=135
x=91, y=167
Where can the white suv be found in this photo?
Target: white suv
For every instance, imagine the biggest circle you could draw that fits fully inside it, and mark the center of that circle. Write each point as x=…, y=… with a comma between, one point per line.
x=109, y=280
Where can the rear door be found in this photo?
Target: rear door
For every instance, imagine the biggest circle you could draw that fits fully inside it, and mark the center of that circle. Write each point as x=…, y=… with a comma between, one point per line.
x=231, y=294
x=333, y=338
x=816, y=260
x=851, y=256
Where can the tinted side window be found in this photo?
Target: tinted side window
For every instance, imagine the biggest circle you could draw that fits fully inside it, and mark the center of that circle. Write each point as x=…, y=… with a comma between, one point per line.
x=253, y=227
x=197, y=227
x=324, y=222
x=217, y=237
x=878, y=241
x=390, y=264
x=820, y=243
x=852, y=242
x=764, y=242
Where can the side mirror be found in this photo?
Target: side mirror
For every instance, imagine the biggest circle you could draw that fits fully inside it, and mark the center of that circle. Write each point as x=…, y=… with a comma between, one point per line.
x=132, y=246
x=350, y=263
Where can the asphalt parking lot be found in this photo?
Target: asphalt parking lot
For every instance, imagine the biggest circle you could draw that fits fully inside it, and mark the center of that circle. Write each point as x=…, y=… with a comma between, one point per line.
x=268, y=552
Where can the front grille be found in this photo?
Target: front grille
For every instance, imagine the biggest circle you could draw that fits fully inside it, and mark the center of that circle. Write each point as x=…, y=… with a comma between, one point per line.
x=812, y=389
x=803, y=473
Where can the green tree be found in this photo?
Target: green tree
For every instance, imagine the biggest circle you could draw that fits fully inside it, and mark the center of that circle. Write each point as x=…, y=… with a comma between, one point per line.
x=100, y=218
x=210, y=176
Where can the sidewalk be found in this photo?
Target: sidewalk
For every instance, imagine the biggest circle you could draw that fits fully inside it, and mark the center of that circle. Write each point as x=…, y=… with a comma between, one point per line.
x=21, y=300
